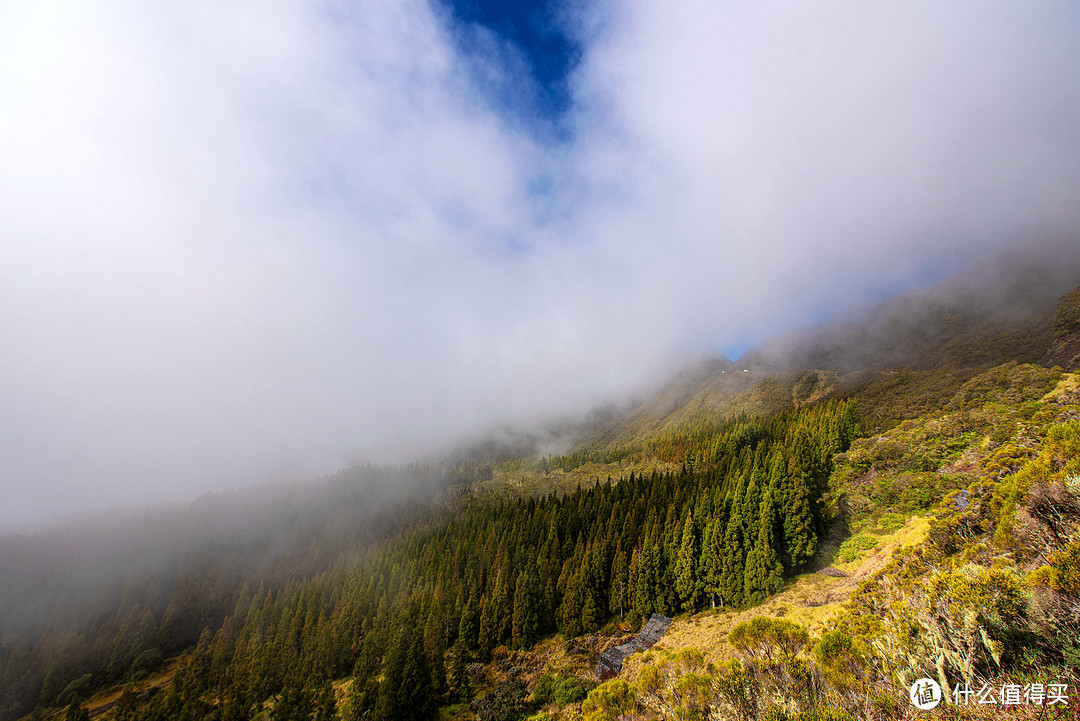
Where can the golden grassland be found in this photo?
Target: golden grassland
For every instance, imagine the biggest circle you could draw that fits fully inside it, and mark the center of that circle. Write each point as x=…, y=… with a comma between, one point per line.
x=810, y=599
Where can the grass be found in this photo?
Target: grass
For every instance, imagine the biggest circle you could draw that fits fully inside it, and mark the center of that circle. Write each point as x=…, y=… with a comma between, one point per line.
x=810, y=599
x=1067, y=388
x=156, y=680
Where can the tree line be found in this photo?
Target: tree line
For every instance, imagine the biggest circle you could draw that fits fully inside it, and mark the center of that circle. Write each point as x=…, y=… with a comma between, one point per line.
x=403, y=617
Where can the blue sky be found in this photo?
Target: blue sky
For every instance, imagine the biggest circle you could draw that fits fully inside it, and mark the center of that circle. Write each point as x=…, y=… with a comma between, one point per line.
x=264, y=239
x=538, y=31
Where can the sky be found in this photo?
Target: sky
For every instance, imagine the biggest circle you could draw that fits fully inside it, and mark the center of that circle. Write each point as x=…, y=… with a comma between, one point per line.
x=250, y=240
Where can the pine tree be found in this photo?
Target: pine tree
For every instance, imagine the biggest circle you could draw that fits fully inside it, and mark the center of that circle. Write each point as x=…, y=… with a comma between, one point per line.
x=686, y=583
x=733, y=560
x=573, y=601
x=435, y=650
x=800, y=539
x=457, y=677
x=487, y=640
x=364, y=692
x=526, y=617
x=326, y=704
x=501, y=604
x=590, y=614
x=645, y=594
x=406, y=693
x=619, y=591
x=469, y=626
x=127, y=704
x=294, y=704
x=764, y=572
x=709, y=565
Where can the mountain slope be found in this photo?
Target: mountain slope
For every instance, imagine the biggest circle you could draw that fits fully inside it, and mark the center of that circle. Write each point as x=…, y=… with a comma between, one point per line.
x=996, y=310
x=1064, y=349
x=724, y=484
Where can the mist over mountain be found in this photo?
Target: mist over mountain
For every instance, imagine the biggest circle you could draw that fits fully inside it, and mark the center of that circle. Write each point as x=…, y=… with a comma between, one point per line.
x=998, y=308
x=479, y=269
x=243, y=242
x=104, y=598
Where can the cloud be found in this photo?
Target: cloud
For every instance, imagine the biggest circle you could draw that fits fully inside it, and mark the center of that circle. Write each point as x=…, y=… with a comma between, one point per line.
x=250, y=238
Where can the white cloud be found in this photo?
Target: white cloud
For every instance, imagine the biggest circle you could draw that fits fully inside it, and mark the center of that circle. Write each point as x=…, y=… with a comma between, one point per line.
x=239, y=235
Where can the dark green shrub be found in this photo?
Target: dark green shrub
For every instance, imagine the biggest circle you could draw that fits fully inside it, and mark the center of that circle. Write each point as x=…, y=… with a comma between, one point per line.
x=572, y=690
x=505, y=702
x=145, y=662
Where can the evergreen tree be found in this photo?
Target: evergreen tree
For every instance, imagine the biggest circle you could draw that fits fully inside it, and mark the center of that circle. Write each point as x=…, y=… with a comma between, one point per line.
x=457, y=677
x=435, y=650
x=764, y=572
x=294, y=704
x=800, y=539
x=487, y=640
x=127, y=704
x=406, y=691
x=364, y=692
x=573, y=598
x=326, y=704
x=590, y=614
x=469, y=626
x=235, y=707
x=686, y=582
x=733, y=560
x=619, y=591
x=709, y=565
x=502, y=601
x=526, y=618
x=646, y=592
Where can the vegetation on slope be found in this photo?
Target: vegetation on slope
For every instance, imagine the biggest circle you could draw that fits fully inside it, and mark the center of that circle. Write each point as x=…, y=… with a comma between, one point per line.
x=685, y=505
x=455, y=587
x=459, y=610
x=987, y=597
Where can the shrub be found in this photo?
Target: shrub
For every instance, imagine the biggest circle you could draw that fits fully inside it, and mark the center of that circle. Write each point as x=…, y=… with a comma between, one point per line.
x=146, y=662
x=505, y=702
x=609, y=701
x=738, y=688
x=853, y=547
x=764, y=635
x=890, y=522
x=76, y=691
x=560, y=691
x=1066, y=565
x=572, y=690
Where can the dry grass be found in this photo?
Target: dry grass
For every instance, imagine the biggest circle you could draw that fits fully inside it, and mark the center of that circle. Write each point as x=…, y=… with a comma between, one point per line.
x=101, y=699
x=1066, y=391
x=810, y=599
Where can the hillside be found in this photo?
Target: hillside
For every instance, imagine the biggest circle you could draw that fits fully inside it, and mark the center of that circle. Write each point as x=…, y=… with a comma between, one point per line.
x=900, y=358
x=917, y=518
x=1064, y=349
x=995, y=310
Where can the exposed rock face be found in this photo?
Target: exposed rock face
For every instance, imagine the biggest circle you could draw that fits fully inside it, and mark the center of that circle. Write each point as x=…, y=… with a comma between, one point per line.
x=1065, y=348
x=611, y=661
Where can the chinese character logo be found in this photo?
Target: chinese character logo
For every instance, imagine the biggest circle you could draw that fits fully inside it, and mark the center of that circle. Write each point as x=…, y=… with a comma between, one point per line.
x=925, y=694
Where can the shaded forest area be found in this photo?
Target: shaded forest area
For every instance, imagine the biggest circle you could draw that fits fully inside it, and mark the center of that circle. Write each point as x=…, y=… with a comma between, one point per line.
x=108, y=596
x=472, y=576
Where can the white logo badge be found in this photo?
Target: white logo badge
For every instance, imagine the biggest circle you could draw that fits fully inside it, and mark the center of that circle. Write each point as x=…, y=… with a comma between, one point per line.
x=925, y=694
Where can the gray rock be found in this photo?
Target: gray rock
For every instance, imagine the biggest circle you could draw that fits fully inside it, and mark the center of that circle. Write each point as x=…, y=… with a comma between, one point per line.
x=611, y=661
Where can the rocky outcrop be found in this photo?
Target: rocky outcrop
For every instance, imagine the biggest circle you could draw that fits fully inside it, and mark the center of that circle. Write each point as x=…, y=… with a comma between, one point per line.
x=1065, y=348
x=611, y=661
